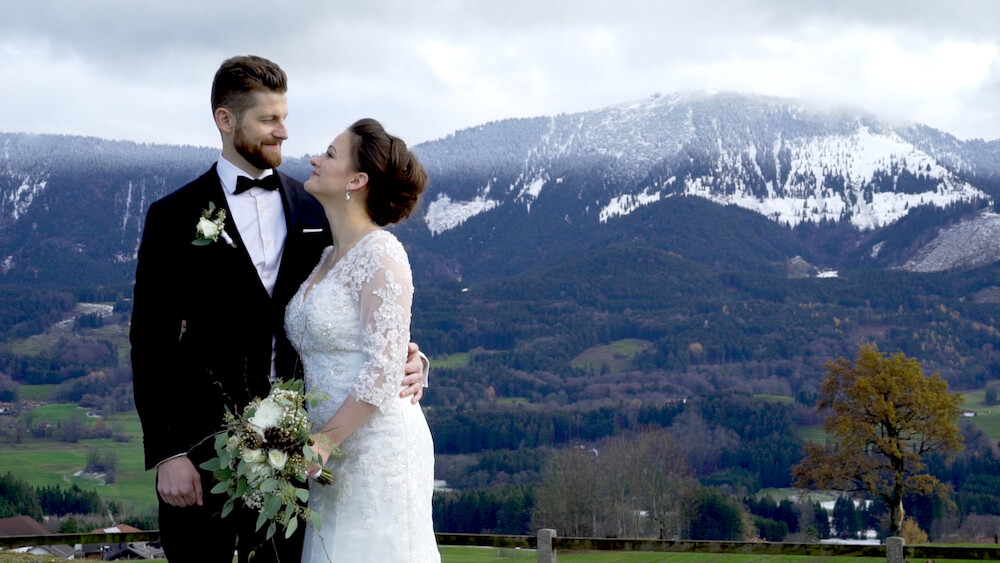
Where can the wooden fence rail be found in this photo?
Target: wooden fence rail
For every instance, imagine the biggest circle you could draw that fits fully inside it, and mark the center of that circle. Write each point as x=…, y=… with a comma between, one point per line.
x=894, y=551
x=73, y=539
x=548, y=544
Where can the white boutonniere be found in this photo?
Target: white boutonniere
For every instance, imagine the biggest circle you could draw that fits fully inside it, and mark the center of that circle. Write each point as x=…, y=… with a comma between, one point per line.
x=211, y=226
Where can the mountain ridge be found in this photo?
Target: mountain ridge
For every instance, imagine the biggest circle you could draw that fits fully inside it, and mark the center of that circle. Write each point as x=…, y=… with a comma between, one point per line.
x=836, y=176
x=549, y=183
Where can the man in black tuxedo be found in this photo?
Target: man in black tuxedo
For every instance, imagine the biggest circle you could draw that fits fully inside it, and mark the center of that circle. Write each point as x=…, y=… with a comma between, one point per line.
x=207, y=323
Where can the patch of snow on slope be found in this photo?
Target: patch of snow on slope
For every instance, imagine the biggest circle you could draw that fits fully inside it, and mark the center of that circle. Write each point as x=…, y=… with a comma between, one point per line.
x=856, y=158
x=21, y=198
x=627, y=203
x=443, y=213
x=967, y=244
x=533, y=188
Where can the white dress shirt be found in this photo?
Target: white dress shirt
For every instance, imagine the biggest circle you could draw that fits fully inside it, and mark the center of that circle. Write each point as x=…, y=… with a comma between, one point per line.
x=260, y=219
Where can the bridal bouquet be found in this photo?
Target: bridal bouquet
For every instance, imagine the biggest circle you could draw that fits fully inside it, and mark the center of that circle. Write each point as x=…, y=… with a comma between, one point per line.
x=264, y=456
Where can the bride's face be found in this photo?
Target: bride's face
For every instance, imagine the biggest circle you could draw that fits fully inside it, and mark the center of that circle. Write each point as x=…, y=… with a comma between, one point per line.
x=334, y=169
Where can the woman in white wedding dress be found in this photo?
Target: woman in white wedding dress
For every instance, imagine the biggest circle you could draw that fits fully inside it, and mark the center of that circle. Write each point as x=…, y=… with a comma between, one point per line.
x=350, y=323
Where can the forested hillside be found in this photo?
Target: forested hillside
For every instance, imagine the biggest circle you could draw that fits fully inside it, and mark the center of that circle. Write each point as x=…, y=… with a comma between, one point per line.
x=658, y=281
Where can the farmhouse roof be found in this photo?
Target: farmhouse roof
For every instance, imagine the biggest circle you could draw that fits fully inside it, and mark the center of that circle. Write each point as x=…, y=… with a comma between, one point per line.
x=120, y=528
x=22, y=526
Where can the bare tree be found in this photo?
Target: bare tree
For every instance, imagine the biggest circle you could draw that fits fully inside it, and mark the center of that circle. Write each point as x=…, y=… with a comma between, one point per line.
x=663, y=476
x=628, y=487
x=566, y=499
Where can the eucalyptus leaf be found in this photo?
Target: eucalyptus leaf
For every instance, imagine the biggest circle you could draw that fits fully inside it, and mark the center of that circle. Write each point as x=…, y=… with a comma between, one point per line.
x=273, y=506
x=302, y=494
x=316, y=519
x=213, y=464
x=220, y=487
x=261, y=519
x=227, y=508
x=270, y=530
x=292, y=526
x=269, y=485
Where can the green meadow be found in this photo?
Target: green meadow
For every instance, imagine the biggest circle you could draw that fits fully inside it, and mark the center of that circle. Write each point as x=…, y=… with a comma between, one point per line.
x=450, y=361
x=36, y=392
x=617, y=356
x=774, y=398
x=51, y=462
x=813, y=434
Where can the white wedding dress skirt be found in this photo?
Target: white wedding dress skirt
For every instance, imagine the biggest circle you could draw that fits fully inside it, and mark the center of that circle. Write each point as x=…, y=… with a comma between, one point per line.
x=351, y=329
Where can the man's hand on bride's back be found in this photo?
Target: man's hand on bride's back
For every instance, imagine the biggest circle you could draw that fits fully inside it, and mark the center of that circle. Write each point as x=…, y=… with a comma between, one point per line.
x=415, y=377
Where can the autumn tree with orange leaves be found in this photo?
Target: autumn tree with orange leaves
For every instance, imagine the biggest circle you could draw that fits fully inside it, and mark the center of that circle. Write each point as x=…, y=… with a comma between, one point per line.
x=884, y=416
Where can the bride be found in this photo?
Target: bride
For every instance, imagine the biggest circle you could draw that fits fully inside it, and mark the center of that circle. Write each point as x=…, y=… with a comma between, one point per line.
x=350, y=323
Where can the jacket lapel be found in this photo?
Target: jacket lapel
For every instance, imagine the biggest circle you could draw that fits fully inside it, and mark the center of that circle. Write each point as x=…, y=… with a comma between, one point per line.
x=291, y=207
x=244, y=268
x=298, y=256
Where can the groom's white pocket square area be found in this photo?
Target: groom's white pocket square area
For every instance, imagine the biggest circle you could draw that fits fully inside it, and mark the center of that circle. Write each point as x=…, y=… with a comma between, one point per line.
x=307, y=231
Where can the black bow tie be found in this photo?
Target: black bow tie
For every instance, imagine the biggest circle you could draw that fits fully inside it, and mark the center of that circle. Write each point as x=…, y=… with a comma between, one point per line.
x=269, y=182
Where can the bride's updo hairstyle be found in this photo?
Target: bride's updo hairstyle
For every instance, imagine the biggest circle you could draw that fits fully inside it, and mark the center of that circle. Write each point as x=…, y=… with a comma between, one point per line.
x=395, y=176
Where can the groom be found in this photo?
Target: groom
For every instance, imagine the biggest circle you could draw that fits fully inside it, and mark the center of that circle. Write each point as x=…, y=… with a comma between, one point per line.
x=207, y=323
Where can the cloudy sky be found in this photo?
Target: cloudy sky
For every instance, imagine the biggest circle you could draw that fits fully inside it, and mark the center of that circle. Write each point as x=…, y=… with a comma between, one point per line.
x=141, y=70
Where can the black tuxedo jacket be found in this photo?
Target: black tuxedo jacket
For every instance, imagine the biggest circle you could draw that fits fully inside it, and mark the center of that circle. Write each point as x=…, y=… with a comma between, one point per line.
x=185, y=379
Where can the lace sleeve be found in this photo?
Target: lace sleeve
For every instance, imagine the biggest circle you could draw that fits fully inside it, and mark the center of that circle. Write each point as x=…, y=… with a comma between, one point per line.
x=386, y=293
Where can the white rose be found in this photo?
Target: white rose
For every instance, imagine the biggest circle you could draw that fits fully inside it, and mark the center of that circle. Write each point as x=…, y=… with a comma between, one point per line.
x=207, y=228
x=268, y=415
x=277, y=459
x=253, y=456
x=258, y=472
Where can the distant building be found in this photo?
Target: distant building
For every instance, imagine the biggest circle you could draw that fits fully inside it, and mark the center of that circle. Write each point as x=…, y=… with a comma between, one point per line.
x=121, y=551
x=28, y=526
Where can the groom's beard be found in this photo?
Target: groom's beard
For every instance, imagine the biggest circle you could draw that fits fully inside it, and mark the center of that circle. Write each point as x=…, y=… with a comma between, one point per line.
x=252, y=152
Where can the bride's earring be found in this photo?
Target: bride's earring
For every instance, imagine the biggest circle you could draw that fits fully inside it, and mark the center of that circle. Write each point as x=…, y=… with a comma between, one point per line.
x=347, y=195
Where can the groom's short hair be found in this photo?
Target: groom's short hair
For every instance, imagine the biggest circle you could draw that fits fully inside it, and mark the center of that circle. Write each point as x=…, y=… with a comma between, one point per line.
x=239, y=76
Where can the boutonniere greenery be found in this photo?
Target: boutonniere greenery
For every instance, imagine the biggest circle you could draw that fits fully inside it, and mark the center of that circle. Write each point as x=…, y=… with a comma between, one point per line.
x=211, y=226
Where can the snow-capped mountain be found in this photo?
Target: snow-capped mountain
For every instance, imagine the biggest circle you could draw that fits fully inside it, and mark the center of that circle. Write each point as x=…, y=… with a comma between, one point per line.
x=789, y=161
x=510, y=195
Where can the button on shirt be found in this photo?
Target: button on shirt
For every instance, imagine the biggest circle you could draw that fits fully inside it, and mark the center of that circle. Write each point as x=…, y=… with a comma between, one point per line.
x=260, y=219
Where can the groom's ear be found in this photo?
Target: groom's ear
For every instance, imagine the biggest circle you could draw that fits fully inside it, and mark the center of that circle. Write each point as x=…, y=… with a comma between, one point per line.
x=225, y=120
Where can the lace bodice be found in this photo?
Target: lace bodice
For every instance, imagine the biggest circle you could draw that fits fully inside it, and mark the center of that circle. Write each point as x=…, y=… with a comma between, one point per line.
x=351, y=329
x=368, y=292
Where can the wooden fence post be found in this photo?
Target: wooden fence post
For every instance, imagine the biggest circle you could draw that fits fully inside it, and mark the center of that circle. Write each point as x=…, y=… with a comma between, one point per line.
x=545, y=552
x=894, y=549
